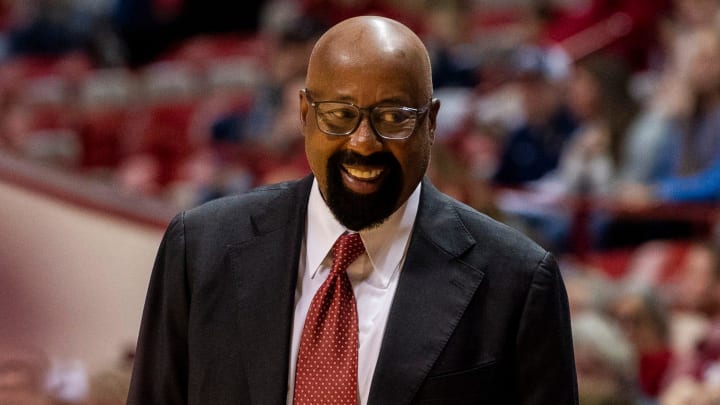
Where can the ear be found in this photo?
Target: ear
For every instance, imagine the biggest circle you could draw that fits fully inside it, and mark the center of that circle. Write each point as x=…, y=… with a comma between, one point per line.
x=304, y=107
x=432, y=118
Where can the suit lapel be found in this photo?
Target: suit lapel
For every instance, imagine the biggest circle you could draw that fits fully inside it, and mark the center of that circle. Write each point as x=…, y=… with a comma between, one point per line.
x=265, y=267
x=434, y=290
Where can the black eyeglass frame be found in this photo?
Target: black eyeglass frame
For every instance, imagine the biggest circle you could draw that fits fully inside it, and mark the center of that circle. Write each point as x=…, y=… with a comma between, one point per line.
x=419, y=113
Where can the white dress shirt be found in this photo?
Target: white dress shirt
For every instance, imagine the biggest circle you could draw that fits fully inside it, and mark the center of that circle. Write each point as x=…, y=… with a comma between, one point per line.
x=374, y=278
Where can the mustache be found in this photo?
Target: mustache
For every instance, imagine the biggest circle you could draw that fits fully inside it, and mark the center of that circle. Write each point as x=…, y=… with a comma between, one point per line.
x=353, y=158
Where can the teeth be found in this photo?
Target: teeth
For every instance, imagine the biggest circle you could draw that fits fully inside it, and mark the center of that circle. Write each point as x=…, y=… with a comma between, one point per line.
x=364, y=174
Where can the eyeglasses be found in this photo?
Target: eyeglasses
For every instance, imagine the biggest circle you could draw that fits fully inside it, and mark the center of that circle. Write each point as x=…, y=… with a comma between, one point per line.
x=340, y=118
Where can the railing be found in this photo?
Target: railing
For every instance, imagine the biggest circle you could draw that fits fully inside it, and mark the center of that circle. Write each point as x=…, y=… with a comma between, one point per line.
x=703, y=217
x=84, y=191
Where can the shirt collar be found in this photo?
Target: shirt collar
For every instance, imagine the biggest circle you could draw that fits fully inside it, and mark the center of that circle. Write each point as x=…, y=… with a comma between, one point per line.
x=385, y=244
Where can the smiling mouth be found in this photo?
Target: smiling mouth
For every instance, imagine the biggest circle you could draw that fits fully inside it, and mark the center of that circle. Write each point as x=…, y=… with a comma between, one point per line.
x=364, y=174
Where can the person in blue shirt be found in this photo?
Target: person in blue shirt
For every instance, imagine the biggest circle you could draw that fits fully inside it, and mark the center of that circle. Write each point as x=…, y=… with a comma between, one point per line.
x=533, y=148
x=695, y=126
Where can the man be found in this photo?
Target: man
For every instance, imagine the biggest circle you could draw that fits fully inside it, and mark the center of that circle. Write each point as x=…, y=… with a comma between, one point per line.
x=442, y=305
x=533, y=148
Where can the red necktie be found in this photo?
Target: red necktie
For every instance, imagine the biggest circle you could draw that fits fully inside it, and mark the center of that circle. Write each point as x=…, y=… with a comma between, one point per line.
x=327, y=363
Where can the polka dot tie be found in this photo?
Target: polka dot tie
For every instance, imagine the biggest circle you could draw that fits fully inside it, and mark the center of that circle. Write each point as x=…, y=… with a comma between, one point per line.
x=327, y=361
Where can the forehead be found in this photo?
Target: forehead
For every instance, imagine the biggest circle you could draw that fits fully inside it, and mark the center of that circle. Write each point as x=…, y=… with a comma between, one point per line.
x=362, y=65
x=366, y=83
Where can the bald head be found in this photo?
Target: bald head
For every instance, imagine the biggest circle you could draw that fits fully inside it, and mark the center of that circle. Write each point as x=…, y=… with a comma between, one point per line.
x=368, y=42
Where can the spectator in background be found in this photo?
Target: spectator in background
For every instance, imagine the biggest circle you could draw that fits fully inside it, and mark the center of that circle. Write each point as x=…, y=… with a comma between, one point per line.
x=650, y=146
x=643, y=318
x=647, y=151
x=686, y=391
x=697, y=289
x=694, y=117
x=53, y=28
x=687, y=16
x=695, y=297
x=534, y=147
x=614, y=142
x=45, y=27
x=599, y=97
x=672, y=151
x=605, y=362
x=588, y=290
x=453, y=174
x=145, y=30
x=455, y=58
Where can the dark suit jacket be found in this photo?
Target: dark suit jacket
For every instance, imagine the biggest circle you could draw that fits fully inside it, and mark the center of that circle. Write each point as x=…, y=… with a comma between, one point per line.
x=480, y=315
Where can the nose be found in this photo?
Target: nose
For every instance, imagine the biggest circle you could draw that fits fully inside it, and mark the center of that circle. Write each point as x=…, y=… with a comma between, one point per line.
x=364, y=140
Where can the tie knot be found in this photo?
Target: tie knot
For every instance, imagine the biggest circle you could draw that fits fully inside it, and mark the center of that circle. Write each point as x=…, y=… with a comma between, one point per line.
x=347, y=248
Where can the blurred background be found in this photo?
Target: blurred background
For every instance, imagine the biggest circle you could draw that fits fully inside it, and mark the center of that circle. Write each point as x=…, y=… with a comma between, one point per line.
x=591, y=125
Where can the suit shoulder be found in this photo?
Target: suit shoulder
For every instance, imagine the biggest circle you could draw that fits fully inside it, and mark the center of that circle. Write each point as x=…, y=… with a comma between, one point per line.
x=509, y=259
x=237, y=214
x=252, y=201
x=497, y=236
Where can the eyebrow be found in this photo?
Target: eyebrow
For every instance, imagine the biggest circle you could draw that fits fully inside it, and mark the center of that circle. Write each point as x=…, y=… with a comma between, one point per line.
x=389, y=100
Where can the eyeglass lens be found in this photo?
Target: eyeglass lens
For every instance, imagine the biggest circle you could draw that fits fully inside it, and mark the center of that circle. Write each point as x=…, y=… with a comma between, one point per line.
x=338, y=118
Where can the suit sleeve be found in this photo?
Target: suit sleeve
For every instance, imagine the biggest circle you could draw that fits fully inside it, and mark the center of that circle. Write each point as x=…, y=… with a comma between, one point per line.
x=546, y=364
x=161, y=362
